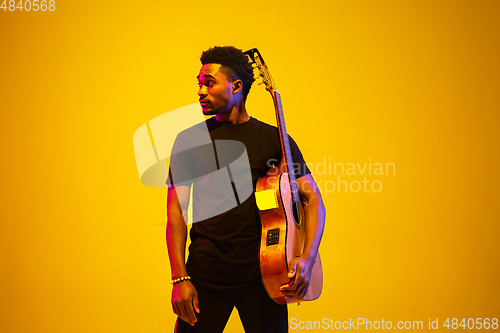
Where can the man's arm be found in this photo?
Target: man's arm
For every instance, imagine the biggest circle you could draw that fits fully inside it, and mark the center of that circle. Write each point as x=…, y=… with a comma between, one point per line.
x=184, y=295
x=302, y=266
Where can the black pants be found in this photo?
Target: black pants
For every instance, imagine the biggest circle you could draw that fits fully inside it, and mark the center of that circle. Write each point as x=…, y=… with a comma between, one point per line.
x=258, y=312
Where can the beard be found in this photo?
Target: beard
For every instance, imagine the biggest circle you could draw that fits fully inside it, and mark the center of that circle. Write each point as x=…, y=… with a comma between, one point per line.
x=209, y=109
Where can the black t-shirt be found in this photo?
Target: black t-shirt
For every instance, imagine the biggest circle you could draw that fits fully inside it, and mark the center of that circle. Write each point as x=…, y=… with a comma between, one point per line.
x=224, y=250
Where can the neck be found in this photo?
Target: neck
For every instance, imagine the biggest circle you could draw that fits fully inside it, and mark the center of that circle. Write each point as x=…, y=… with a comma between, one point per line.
x=237, y=115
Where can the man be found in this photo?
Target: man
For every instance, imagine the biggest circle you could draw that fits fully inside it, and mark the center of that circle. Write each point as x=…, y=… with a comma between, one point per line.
x=222, y=271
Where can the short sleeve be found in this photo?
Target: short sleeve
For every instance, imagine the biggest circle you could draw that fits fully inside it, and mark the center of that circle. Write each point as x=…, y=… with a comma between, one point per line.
x=179, y=172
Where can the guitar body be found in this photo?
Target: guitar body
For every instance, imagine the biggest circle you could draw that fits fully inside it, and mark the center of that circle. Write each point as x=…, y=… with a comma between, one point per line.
x=282, y=239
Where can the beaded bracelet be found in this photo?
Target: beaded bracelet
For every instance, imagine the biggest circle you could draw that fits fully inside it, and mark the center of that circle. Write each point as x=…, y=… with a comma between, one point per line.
x=184, y=278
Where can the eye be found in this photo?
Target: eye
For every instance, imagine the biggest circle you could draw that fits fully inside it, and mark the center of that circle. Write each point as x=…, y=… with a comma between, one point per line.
x=209, y=84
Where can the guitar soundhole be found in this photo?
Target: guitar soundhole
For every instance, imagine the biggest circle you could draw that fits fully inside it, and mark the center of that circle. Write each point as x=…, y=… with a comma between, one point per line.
x=273, y=236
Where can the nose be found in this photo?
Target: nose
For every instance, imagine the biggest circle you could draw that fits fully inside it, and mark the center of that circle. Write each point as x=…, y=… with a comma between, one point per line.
x=202, y=92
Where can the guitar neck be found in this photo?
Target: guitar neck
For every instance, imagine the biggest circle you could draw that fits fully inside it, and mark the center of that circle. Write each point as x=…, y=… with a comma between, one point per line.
x=287, y=161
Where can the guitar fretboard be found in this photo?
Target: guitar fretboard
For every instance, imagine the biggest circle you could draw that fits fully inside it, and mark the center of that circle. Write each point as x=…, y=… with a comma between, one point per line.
x=286, y=147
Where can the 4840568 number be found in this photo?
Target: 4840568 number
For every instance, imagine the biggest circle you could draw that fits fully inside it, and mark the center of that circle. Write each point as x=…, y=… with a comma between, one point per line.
x=28, y=5
x=478, y=323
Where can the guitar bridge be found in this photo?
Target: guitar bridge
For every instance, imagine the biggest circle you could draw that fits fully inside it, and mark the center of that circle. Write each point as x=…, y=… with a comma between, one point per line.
x=273, y=237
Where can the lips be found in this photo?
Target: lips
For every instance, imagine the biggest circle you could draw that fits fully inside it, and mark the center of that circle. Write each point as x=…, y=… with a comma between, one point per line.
x=203, y=102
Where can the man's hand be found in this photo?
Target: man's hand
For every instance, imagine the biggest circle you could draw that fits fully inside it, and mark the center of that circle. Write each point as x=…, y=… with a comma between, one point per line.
x=300, y=270
x=185, y=301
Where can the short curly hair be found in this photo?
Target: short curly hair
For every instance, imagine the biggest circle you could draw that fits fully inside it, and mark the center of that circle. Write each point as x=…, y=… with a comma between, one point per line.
x=234, y=63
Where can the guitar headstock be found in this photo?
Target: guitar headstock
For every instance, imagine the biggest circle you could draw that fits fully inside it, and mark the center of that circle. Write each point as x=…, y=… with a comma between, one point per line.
x=259, y=64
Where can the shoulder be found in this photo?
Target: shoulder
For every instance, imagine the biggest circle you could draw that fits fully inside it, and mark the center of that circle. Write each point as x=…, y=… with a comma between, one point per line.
x=262, y=126
x=271, y=129
x=201, y=127
x=187, y=145
x=193, y=136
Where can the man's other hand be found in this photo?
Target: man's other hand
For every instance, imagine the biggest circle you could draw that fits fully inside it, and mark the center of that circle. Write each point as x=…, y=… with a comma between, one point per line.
x=185, y=301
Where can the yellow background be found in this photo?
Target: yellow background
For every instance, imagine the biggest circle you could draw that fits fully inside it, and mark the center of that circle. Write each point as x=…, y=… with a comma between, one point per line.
x=414, y=83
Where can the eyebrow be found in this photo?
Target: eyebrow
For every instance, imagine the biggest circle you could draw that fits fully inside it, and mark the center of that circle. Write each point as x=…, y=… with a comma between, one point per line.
x=207, y=75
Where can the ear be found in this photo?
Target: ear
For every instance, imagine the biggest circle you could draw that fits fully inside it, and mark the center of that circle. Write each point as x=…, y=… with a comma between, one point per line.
x=237, y=86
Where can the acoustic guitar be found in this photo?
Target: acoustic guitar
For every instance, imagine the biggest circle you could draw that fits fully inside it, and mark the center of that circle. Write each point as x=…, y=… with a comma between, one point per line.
x=281, y=211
